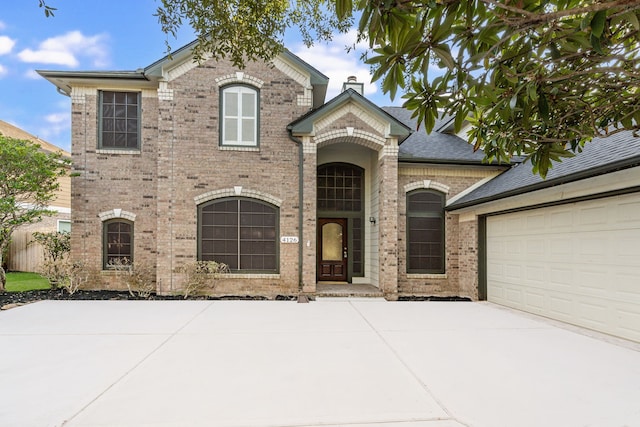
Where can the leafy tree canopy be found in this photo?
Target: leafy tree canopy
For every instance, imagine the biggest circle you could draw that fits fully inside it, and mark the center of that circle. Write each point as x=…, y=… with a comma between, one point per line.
x=28, y=181
x=535, y=78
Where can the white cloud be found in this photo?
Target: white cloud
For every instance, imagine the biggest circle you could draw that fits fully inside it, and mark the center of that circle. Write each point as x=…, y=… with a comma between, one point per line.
x=65, y=50
x=56, y=125
x=2, y=25
x=3, y=71
x=332, y=60
x=32, y=75
x=6, y=44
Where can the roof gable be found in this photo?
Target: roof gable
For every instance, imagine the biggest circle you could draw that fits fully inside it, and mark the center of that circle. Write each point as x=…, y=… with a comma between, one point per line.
x=350, y=101
x=179, y=62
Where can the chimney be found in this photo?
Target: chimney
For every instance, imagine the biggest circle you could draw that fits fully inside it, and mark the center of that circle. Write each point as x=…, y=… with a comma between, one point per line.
x=352, y=83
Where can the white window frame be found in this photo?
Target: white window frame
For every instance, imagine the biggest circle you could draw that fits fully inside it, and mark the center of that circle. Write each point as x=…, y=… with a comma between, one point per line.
x=60, y=221
x=239, y=90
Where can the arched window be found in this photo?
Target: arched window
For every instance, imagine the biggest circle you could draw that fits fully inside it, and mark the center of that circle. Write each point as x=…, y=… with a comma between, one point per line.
x=239, y=116
x=117, y=243
x=425, y=232
x=239, y=232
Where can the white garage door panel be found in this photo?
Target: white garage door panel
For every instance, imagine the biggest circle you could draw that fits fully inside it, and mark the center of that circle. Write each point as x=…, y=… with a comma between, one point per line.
x=578, y=263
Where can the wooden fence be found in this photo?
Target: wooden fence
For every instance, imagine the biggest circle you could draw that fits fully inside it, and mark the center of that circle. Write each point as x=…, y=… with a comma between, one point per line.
x=23, y=254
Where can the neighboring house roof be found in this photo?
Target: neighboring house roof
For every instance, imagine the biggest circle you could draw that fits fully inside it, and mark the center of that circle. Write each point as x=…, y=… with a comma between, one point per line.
x=435, y=147
x=304, y=125
x=12, y=131
x=150, y=75
x=600, y=156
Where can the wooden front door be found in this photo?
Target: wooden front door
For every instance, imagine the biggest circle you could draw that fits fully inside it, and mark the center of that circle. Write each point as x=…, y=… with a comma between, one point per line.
x=332, y=249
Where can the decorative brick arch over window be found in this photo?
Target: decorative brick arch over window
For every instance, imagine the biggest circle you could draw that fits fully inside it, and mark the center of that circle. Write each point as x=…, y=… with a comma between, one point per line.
x=117, y=213
x=241, y=78
x=426, y=184
x=236, y=192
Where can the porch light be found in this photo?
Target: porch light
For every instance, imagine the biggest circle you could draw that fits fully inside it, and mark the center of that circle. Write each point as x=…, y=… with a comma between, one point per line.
x=372, y=220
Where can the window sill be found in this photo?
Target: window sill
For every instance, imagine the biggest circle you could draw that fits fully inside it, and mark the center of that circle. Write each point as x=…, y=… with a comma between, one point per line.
x=247, y=276
x=426, y=276
x=237, y=148
x=113, y=271
x=103, y=151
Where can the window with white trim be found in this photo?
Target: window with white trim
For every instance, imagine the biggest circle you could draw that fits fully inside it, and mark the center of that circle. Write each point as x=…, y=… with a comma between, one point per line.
x=64, y=226
x=239, y=116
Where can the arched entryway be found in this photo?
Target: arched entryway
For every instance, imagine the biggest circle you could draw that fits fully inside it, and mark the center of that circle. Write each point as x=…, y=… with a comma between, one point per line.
x=340, y=205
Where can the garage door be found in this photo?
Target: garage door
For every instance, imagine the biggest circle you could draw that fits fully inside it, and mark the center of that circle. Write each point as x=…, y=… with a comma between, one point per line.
x=578, y=263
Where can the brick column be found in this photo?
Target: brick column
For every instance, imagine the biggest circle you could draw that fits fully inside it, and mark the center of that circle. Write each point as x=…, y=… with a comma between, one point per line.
x=388, y=219
x=468, y=261
x=309, y=219
x=165, y=181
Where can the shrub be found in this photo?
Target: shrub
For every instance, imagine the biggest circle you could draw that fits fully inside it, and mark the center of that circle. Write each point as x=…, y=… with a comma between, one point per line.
x=200, y=275
x=56, y=247
x=74, y=276
x=138, y=277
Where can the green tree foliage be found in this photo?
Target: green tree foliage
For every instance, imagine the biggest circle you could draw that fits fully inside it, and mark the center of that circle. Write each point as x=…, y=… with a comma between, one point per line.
x=242, y=30
x=28, y=181
x=534, y=78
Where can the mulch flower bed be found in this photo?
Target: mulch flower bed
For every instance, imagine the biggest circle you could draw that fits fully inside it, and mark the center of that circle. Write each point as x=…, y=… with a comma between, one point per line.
x=19, y=298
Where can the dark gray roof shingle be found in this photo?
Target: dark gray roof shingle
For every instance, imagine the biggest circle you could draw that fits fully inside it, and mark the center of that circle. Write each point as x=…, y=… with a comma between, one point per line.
x=600, y=156
x=435, y=147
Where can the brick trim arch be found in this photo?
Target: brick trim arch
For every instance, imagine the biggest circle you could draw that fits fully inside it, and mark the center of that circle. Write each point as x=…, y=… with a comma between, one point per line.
x=427, y=184
x=237, y=192
x=116, y=213
x=352, y=135
x=239, y=77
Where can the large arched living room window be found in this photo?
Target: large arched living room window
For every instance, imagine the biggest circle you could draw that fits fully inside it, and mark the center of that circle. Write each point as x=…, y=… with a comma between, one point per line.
x=117, y=247
x=425, y=232
x=239, y=232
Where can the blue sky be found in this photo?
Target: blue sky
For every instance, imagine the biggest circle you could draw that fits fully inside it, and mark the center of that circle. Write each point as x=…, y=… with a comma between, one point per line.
x=110, y=35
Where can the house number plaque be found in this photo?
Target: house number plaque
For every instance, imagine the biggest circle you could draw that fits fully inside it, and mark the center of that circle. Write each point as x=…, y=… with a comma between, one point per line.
x=289, y=239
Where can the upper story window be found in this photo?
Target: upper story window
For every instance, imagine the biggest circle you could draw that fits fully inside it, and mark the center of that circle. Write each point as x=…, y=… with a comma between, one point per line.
x=239, y=116
x=425, y=232
x=119, y=120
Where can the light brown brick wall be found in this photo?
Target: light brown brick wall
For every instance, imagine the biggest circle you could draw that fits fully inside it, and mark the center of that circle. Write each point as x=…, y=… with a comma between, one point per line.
x=180, y=160
x=460, y=238
x=111, y=181
x=468, y=262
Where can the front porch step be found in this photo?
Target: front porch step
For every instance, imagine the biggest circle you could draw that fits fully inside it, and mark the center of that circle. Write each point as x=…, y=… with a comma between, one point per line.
x=347, y=290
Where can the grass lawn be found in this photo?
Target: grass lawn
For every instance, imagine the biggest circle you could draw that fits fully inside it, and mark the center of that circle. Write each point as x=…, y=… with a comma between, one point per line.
x=18, y=282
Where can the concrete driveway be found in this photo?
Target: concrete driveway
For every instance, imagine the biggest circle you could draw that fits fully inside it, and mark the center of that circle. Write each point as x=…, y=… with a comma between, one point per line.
x=333, y=362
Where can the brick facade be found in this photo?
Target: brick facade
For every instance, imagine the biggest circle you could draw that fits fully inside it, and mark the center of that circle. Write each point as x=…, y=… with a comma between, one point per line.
x=181, y=165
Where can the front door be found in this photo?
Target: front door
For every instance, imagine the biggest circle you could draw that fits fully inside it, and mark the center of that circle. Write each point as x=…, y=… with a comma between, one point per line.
x=332, y=249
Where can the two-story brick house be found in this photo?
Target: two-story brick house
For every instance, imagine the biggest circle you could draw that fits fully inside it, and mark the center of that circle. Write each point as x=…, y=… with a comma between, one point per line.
x=252, y=167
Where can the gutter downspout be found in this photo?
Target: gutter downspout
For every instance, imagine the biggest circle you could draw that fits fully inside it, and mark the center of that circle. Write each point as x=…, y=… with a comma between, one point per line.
x=300, y=209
